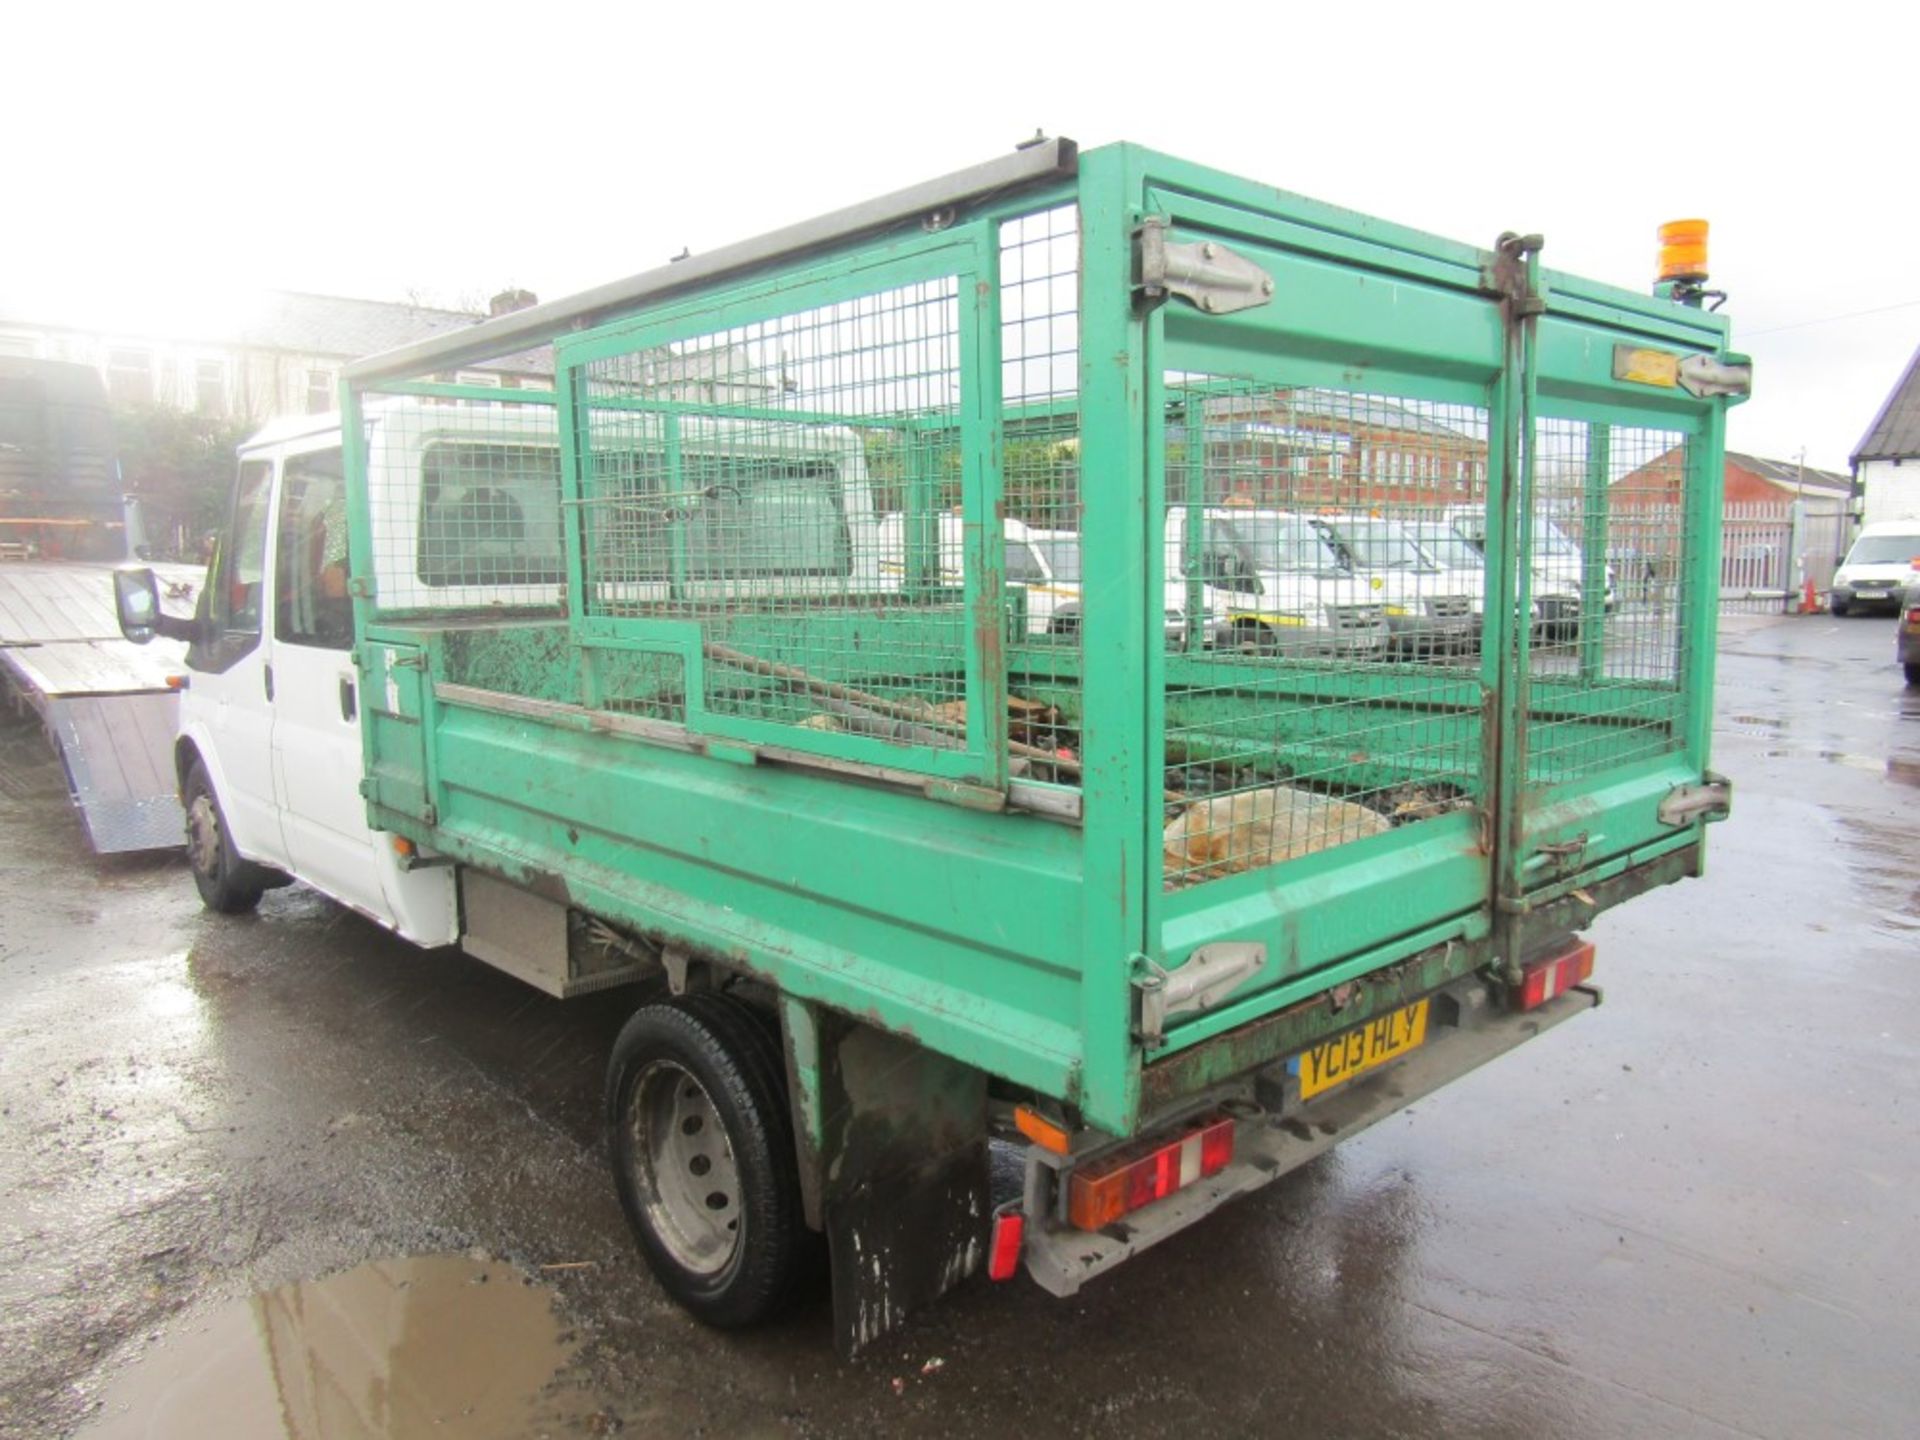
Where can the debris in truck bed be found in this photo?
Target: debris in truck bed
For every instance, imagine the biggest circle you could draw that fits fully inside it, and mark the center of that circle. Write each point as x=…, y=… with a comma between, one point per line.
x=1407, y=803
x=1226, y=834
x=1029, y=722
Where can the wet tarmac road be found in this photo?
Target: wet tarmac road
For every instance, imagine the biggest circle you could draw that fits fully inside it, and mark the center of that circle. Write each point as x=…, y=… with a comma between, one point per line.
x=1690, y=1212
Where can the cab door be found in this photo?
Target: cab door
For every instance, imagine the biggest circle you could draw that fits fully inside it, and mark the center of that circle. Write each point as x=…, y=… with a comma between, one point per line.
x=229, y=709
x=316, y=720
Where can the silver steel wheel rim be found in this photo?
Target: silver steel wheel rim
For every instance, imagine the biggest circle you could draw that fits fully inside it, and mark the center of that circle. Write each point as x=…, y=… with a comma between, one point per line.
x=203, y=835
x=683, y=1168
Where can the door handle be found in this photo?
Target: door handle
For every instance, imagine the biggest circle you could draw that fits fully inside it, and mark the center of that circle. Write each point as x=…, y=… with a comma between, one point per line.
x=348, y=707
x=266, y=677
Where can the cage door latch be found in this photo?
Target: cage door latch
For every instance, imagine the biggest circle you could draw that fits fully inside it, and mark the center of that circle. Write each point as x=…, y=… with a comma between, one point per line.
x=1204, y=273
x=1210, y=974
x=1712, y=799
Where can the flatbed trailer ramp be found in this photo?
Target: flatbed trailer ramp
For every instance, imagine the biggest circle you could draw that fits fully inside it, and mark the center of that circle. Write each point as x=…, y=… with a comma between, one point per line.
x=109, y=707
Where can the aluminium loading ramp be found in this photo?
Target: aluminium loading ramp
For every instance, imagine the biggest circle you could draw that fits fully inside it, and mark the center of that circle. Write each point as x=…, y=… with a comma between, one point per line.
x=110, y=707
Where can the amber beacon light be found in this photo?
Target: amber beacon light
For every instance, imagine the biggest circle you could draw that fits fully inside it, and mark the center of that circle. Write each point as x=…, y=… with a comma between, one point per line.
x=1683, y=251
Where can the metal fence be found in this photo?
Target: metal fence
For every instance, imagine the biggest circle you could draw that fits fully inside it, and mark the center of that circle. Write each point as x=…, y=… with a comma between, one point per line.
x=1768, y=551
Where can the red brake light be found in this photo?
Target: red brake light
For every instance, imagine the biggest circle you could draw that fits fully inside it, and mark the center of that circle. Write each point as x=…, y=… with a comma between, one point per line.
x=1544, y=979
x=1139, y=1174
x=1003, y=1251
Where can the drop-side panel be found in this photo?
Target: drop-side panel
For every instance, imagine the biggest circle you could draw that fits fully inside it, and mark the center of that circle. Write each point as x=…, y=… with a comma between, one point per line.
x=1317, y=464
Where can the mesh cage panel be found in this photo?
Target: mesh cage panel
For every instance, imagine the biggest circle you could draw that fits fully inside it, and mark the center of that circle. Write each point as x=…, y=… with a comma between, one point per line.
x=1328, y=541
x=752, y=480
x=1610, y=545
x=1040, y=482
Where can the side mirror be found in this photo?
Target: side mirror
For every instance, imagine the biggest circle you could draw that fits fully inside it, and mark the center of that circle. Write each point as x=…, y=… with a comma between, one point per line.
x=136, y=601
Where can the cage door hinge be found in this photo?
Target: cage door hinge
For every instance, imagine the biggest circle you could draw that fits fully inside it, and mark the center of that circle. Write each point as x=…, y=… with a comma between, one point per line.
x=1506, y=274
x=1211, y=974
x=1204, y=273
x=1711, y=799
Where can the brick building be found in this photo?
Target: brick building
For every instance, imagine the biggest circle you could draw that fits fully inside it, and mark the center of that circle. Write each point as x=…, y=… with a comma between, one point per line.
x=1749, y=480
x=1311, y=449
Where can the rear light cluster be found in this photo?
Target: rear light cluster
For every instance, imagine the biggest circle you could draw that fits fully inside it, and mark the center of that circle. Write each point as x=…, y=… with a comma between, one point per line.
x=1544, y=979
x=1136, y=1175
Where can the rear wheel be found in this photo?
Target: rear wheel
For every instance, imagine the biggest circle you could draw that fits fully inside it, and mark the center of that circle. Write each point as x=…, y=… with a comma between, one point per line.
x=226, y=882
x=701, y=1141
x=1912, y=667
x=1250, y=637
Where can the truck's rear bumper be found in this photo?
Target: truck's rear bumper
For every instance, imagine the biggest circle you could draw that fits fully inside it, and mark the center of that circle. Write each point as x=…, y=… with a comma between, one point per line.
x=1267, y=1145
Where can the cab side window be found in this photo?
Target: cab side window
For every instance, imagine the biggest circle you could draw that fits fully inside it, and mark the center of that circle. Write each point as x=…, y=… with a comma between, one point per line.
x=311, y=606
x=235, y=594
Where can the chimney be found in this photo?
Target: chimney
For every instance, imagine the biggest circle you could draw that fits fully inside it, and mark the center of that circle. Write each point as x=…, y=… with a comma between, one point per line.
x=508, y=301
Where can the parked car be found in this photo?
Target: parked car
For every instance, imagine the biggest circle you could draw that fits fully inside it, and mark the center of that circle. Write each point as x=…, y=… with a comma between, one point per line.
x=1880, y=564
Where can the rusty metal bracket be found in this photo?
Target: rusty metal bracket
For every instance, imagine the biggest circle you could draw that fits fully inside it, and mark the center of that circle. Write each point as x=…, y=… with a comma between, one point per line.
x=1561, y=856
x=1204, y=273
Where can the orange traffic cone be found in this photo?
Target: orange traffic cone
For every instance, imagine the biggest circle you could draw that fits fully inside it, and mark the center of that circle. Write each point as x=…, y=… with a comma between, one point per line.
x=1809, y=602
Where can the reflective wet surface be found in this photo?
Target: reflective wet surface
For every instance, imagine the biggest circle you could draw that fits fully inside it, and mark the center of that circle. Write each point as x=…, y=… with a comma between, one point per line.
x=1690, y=1212
x=407, y=1348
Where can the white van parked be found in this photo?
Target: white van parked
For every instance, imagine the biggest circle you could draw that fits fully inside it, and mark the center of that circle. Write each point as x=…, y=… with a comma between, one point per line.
x=1430, y=610
x=1045, y=566
x=1884, y=560
x=1558, y=571
x=1282, y=586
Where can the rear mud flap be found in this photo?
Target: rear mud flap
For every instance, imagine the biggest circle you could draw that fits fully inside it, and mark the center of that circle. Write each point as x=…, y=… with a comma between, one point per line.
x=894, y=1167
x=902, y=1239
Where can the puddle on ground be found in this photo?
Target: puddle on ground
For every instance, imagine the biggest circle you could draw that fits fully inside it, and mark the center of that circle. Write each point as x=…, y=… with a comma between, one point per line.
x=425, y=1345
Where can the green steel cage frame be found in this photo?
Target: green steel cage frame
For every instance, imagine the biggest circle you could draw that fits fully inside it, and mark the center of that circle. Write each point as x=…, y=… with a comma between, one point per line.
x=761, y=679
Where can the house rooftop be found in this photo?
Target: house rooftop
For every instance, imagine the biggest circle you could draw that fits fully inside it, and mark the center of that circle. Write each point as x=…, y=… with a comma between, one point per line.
x=1895, y=431
x=1792, y=475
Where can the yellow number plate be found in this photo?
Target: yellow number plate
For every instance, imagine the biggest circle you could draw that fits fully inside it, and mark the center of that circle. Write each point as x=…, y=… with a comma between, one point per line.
x=1340, y=1059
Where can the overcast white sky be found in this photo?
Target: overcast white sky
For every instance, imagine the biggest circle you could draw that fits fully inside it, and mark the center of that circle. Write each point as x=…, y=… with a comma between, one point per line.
x=181, y=154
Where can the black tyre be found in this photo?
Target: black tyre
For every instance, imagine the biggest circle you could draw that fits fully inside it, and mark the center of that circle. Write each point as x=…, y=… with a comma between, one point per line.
x=701, y=1142
x=1913, y=672
x=1838, y=607
x=1250, y=637
x=226, y=882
